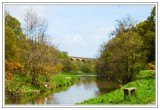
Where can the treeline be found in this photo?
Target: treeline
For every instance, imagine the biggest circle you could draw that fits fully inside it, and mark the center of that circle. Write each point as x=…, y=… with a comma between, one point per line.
x=129, y=50
x=29, y=54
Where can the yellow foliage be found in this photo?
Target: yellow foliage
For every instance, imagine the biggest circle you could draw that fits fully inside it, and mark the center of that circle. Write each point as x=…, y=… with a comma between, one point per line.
x=9, y=75
x=13, y=66
x=151, y=66
x=46, y=69
x=41, y=69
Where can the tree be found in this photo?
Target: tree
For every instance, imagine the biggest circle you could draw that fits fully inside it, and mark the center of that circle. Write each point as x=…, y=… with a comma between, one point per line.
x=13, y=23
x=127, y=57
x=68, y=66
x=11, y=47
x=35, y=26
x=12, y=32
x=102, y=63
x=123, y=25
x=123, y=56
x=146, y=30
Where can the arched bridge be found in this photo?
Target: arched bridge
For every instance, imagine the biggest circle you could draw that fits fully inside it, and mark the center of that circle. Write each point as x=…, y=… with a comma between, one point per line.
x=82, y=59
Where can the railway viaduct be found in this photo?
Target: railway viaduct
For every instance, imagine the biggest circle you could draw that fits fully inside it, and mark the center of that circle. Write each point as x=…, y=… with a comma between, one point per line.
x=81, y=59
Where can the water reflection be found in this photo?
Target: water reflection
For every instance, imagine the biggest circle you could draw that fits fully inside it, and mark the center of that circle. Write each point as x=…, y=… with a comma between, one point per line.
x=49, y=99
x=87, y=87
x=39, y=100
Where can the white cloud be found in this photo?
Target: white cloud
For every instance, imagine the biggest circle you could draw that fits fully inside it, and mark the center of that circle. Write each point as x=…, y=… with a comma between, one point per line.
x=73, y=41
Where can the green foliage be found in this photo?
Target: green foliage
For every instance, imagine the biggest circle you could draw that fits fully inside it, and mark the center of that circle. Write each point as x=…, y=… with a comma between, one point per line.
x=146, y=30
x=88, y=67
x=68, y=66
x=145, y=93
x=123, y=26
x=14, y=24
x=122, y=57
x=15, y=84
x=11, y=48
x=78, y=66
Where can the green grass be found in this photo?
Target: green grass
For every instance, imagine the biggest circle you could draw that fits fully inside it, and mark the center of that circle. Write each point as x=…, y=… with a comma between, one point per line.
x=145, y=92
x=24, y=83
x=63, y=79
x=146, y=74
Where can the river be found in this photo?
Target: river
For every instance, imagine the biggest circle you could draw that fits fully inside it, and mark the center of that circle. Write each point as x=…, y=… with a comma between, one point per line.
x=87, y=87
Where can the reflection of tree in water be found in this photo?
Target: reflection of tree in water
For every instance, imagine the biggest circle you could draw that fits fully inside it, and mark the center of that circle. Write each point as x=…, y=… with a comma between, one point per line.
x=39, y=100
x=105, y=85
x=48, y=99
x=102, y=82
x=88, y=82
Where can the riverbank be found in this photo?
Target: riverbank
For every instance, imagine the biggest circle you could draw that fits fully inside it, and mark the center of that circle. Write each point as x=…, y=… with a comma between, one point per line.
x=145, y=92
x=21, y=87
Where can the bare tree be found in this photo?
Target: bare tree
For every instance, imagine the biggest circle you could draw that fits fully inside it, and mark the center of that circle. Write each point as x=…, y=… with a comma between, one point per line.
x=35, y=28
x=31, y=22
x=42, y=26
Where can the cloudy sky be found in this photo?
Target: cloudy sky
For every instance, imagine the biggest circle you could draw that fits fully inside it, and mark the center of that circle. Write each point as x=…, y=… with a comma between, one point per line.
x=78, y=29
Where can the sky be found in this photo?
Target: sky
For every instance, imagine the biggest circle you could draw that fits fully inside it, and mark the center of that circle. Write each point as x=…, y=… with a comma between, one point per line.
x=80, y=29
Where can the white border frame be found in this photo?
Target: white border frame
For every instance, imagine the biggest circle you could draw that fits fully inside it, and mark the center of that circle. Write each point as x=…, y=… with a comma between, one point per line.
x=88, y=106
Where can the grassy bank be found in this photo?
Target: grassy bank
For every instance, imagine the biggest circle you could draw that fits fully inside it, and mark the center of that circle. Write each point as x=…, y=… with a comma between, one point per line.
x=63, y=79
x=145, y=92
x=20, y=89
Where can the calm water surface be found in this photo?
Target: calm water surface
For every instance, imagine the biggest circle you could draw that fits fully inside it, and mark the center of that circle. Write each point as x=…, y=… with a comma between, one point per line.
x=87, y=87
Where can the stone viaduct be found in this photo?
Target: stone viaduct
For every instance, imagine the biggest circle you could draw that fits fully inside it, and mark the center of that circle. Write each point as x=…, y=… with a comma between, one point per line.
x=82, y=59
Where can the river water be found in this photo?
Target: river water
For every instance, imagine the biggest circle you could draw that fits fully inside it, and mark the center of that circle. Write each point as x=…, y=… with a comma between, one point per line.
x=87, y=87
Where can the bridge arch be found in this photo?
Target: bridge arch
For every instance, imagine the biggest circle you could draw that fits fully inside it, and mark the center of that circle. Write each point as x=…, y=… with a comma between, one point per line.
x=81, y=59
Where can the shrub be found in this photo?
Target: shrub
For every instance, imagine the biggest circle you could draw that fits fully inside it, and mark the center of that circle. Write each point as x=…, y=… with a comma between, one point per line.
x=151, y=66
x=13, y=66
